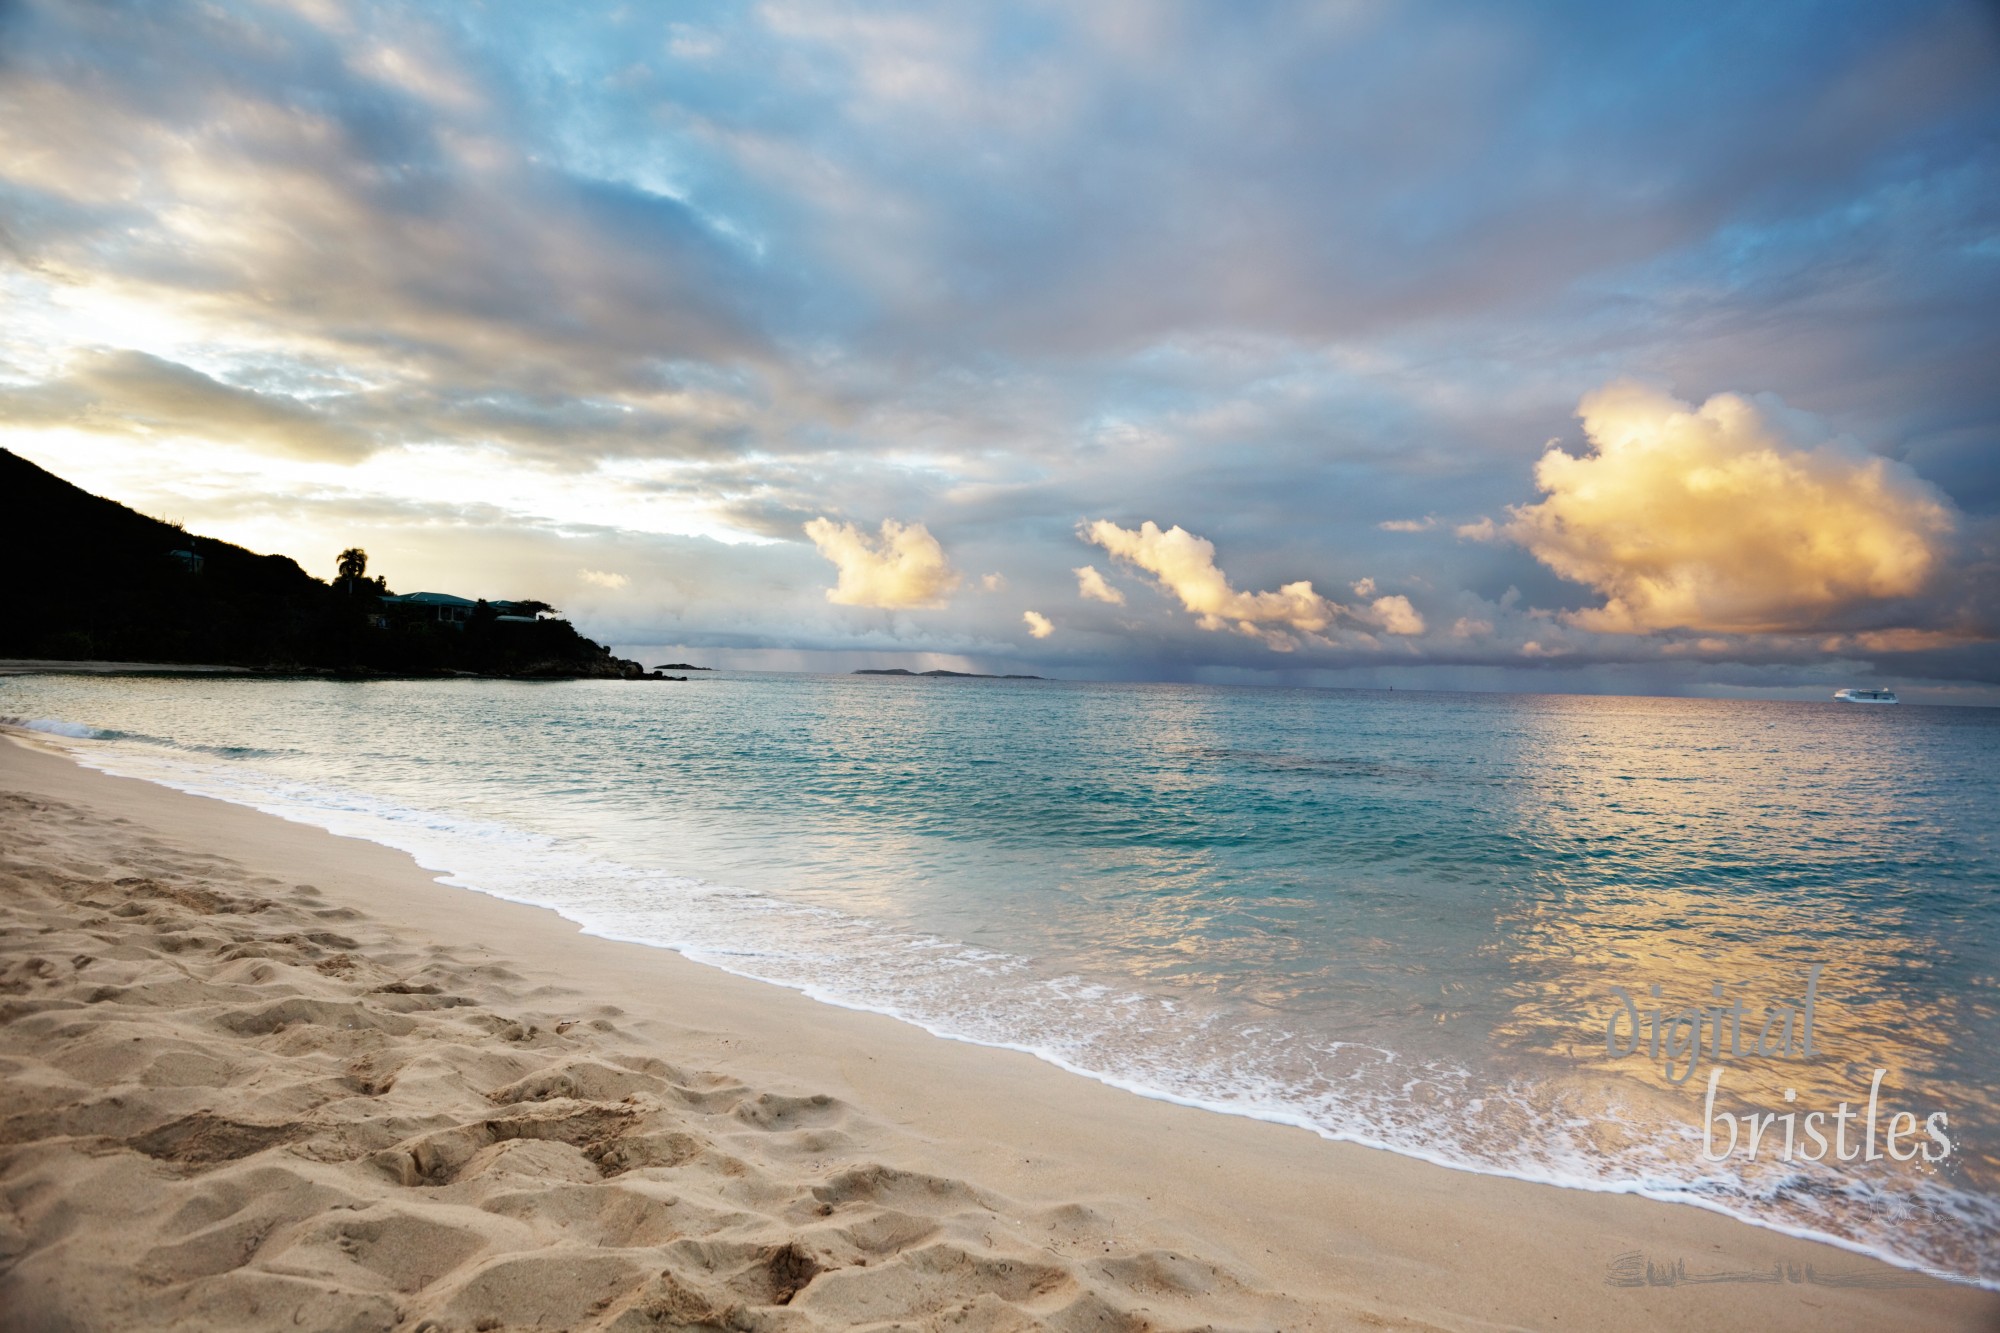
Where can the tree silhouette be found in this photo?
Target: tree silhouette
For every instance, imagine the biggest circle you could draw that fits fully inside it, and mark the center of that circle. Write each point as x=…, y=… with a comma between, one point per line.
x=353, y=564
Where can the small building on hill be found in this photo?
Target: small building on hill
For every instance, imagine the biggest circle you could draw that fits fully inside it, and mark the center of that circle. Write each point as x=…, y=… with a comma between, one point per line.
x=441, y=607
x=521, y=613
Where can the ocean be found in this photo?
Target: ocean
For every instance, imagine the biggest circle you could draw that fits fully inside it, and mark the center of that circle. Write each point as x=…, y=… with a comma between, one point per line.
x=1432, y=923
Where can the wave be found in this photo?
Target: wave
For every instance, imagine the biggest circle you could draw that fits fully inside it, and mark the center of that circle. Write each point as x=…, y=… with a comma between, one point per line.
x=50, y=726
x=79, y=731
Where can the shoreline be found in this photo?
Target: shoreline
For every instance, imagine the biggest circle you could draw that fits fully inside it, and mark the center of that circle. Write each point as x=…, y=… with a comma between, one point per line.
x=1344, y=1233
x=35, y=666
x=29, y=666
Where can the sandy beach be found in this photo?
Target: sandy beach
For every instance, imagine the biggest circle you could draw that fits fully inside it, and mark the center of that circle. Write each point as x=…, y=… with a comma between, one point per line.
x=263, y=1077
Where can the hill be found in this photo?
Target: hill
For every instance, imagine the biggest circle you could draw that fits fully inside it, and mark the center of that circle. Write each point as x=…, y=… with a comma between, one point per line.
x=102, y=581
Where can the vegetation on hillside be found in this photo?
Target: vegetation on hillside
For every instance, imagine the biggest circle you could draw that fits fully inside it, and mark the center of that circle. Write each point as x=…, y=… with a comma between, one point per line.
x=106, y=582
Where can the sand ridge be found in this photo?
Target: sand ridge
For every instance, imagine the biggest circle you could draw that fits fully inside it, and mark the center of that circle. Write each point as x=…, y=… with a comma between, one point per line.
x=233, y=1104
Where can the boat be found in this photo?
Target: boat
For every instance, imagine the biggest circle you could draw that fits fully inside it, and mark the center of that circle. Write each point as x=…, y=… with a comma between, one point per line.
x=1867, y=696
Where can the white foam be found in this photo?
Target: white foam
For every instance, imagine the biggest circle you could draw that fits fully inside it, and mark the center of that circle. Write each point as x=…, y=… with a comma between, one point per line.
x=53, y=727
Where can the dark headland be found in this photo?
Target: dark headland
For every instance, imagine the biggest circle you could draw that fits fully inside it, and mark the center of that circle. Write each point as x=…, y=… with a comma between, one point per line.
x=105, y=583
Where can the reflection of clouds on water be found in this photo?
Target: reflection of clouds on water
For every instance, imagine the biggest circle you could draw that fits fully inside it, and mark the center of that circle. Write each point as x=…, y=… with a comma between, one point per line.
x=1652, y=830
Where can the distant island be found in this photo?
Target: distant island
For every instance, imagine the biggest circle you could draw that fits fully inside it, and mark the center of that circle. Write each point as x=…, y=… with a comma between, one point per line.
x=681, y=666
x=961, y=675
x=105, y=583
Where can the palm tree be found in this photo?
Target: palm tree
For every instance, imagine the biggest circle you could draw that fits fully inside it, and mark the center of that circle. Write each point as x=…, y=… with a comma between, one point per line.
x=353, y=564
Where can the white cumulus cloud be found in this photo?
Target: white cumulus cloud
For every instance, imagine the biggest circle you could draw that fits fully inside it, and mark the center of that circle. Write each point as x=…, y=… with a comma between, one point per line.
x=903, y=568
x=600, y=578
x=1090, y=584
x=1038, y=624
x=1395, y=615
x=1478, y=530
x=1184, y=565
x=1717, y=518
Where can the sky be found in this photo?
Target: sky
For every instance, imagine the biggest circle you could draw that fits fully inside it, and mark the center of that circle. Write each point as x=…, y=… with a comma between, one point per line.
x=1610, y=348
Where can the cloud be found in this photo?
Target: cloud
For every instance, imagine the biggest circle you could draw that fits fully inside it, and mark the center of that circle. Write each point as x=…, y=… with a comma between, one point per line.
x=1184, y=565
x=904, y=569
x=993, y=582
x=1396, y=615
x=364, y=198
x=598, y=578
x=1424, y=524
x=1091, y=585
x=1038, y=624
x=131, y=392
x=1717, y=518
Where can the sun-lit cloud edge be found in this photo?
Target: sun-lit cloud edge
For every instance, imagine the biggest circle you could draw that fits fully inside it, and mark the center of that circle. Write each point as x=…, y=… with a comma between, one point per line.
x=1718, y=518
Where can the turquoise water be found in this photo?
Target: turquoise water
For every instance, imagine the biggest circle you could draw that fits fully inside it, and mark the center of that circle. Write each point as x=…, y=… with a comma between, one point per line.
x=1393, y=918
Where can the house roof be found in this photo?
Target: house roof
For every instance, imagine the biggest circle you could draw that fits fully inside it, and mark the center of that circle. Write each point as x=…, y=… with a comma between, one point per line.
x=432, y=599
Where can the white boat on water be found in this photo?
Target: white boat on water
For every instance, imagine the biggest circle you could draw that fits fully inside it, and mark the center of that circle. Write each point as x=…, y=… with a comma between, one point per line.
x=1867, y=696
